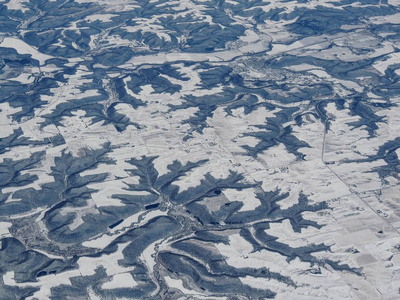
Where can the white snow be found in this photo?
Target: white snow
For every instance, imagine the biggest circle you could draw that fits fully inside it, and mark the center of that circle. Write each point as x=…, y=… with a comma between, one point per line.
x=121, y=280
x=23, y=48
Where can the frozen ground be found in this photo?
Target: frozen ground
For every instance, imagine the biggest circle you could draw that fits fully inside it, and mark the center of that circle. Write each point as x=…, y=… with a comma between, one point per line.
x=199, y=149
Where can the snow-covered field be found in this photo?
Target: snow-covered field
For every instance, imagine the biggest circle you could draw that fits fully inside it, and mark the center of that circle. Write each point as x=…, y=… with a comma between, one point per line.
x=199, y=149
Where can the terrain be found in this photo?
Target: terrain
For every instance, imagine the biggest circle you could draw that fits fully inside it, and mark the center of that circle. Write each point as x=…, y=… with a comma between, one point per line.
x=194, y=149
